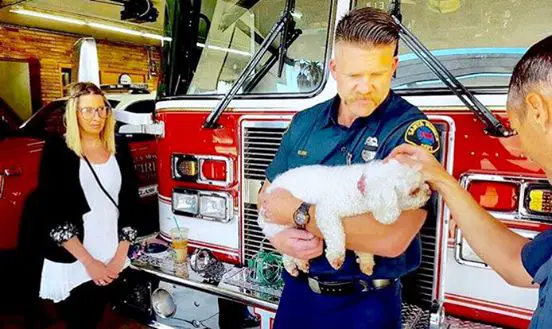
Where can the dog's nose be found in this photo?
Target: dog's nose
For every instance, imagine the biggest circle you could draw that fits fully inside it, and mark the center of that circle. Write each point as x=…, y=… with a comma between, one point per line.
x=416, y=191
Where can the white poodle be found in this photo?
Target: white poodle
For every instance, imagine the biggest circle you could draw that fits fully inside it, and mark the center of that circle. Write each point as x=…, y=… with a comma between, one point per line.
x=383, y=189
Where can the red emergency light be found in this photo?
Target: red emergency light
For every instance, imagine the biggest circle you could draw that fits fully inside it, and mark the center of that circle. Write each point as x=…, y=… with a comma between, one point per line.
x=214, y=170
x=496, y=196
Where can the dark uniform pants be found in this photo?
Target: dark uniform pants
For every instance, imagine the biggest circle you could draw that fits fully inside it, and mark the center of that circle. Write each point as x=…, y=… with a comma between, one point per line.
x=303, y=309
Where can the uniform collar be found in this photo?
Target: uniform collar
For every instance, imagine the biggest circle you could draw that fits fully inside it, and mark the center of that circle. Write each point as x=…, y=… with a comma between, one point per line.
x=330, y=112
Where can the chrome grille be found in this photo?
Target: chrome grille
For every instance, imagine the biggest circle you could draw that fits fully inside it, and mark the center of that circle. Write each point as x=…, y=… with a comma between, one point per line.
x=260, y=146
x=254, y=240
x=257, y=155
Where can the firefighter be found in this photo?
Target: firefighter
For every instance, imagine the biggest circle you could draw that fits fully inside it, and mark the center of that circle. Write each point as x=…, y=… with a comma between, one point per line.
x=516, y=259
x=363, y=122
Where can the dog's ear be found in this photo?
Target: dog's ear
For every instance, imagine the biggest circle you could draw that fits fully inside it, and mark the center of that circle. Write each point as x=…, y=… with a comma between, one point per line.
x=361, y=185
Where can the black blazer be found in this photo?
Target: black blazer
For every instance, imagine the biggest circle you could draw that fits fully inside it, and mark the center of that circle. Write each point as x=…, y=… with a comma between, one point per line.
x=62, y=202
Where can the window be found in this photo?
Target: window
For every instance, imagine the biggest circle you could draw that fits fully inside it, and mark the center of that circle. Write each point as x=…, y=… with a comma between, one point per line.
x=228, y=34
x=65, y=72
x=144, y=107
x=47, y=120
x=478, y=41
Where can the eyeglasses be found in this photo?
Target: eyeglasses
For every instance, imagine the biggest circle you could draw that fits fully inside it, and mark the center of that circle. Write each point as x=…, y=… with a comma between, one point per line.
x=88, y=112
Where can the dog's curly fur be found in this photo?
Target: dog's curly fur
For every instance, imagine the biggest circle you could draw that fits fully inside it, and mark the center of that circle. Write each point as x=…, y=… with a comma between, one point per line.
x=383, y=189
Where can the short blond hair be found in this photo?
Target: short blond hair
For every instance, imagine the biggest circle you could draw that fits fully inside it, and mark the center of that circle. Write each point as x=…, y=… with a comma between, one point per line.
x=72, y=132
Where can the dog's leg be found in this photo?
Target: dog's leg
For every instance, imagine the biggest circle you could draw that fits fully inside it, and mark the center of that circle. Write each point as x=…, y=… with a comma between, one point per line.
x=289, y=265
x=366, y=262
x=331, y=227
x=303, y=265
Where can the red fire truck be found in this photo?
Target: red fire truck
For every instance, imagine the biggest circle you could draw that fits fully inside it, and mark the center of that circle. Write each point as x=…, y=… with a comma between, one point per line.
x=235, y=72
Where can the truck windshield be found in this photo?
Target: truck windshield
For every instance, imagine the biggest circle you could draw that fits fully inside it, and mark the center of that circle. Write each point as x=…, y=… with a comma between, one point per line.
x=478, y=41
x=226, y=34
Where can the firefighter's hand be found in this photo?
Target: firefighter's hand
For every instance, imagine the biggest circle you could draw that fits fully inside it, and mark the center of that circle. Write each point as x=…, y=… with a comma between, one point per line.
x=297, y=243
x=279, y=206
x=417, y=157
x=100, y=274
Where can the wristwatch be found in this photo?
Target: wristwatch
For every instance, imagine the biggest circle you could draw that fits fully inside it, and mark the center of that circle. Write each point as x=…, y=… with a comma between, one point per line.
x=301, y=216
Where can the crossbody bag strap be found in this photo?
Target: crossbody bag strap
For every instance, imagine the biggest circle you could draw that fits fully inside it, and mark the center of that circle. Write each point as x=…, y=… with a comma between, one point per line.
x=100, y=183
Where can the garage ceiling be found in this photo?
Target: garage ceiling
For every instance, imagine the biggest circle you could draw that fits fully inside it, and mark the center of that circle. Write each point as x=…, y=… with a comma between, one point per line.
x=92, y=11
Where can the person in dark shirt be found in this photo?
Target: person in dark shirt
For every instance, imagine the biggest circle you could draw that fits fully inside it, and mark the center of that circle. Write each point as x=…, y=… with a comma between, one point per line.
x=516, y=259
x=364, y=122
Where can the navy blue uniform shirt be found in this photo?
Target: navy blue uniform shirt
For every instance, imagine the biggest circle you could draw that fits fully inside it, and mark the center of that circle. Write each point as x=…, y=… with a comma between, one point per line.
x=537, y=260
x=315, y=137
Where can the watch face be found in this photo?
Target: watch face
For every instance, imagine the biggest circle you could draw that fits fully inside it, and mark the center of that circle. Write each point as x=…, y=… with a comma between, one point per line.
x=300, y=218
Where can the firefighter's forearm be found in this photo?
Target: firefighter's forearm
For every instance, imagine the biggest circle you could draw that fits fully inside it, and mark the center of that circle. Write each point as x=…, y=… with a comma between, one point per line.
x=497, y=245
x=75, y=247
x=365, y=234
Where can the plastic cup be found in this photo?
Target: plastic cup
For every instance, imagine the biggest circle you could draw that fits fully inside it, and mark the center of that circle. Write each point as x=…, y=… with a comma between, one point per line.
x=180, y=244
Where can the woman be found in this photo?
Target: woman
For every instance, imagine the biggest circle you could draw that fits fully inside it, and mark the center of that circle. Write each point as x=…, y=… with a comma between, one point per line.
x=89, y=195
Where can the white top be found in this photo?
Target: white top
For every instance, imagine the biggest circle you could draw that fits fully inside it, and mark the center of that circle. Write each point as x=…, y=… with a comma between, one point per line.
x=100, y=231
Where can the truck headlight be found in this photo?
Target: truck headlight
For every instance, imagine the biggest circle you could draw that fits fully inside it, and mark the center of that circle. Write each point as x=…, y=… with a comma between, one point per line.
x=185, y=202
x=213, y=206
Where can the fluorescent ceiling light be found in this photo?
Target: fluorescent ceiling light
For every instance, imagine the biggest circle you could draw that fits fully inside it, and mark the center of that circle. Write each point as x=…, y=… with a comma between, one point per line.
x=229, y=50
x=91, y=24
x=48, y=16
x=115, y=29
x=156, y=36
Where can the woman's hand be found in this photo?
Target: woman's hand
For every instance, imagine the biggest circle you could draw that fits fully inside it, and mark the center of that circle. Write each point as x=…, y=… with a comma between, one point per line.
x=100, y=274
x=117, y=263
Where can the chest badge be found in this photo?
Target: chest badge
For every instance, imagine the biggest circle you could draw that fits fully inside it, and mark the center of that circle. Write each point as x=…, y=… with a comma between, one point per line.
x=423, y=133
x=370, y=148
x=302, y=153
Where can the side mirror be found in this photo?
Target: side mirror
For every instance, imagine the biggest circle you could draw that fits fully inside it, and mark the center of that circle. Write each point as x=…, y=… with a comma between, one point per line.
x=138, y=123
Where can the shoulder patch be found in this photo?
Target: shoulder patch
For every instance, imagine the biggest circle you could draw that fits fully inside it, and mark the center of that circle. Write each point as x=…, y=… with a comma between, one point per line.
x=423, y=133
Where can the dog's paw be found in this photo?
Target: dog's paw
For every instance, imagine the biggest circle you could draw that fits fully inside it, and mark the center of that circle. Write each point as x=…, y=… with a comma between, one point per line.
x=304, y=266
x=367, y=269
x=336, y=261
x=366, y=263
x=292, y=270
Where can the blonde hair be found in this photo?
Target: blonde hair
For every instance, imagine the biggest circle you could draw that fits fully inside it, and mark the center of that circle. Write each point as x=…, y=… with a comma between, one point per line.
x=72, y=132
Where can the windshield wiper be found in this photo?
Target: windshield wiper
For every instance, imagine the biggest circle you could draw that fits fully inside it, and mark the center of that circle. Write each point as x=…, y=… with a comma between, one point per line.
x=493, y=126
x=286, y=26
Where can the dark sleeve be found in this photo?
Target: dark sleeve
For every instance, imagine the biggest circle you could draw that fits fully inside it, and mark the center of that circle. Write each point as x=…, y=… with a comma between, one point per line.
x=130, y=207
x=280, y=162
x=535, y=253
x=418, y=132
x=50, y=188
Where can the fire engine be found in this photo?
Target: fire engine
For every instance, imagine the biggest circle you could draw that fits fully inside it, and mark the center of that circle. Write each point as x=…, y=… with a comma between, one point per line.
x=235, y=72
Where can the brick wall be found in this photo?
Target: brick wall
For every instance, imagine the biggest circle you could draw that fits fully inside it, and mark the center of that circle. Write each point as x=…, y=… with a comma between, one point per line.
x=53, y=51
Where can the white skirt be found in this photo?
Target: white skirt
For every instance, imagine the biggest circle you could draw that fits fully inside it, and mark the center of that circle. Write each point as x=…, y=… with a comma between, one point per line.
x=58, y=279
